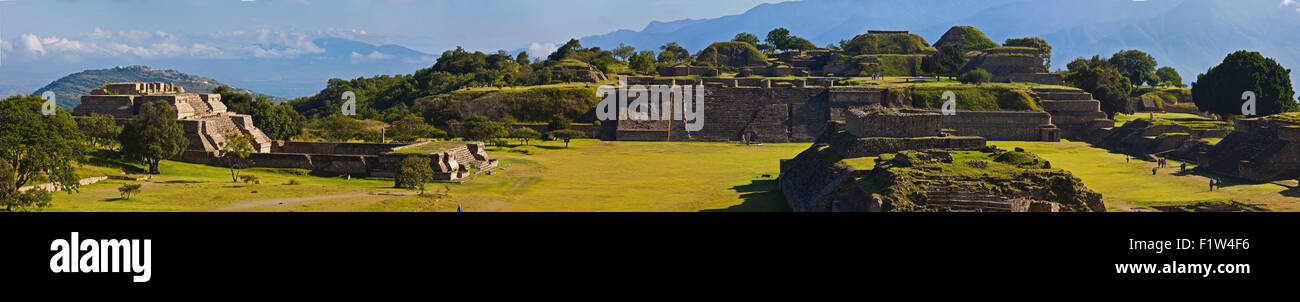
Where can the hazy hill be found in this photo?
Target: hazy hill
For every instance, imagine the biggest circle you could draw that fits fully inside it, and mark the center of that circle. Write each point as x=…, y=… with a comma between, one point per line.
x=69, y=89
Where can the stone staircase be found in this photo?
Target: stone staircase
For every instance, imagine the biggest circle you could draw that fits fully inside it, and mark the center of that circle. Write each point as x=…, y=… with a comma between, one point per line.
x=1073, y=110
x=958, y=200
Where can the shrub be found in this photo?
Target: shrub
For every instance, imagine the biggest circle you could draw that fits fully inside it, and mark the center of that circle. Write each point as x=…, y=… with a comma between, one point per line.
x=413, y=173
x=567, y=135
x=249, y=179
x=978, y=164
x=977, y=76
x=127, y=189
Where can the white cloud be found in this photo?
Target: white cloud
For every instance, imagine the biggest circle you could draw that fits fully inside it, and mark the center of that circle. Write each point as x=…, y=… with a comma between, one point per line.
x=541, y=49
x=1288, y=2
x=99, y=33
x=32, y=45
x=373, y=56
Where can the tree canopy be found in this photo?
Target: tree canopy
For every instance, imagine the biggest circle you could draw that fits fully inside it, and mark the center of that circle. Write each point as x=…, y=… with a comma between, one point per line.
x=1139, y=67
x=32, y=144
x=1220, y=89
x=1096, y=76
x=1044, y=49
x=154, y=135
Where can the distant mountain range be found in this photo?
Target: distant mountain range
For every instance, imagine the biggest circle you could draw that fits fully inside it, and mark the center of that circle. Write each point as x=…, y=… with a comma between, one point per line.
x=286, y=77
x=68, y=90
x=1190, y=35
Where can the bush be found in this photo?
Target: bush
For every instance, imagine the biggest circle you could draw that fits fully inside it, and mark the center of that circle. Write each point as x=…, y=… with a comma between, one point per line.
x=978, y=164
x=249, y=179
x=127, y=189
x=293, y=182
x=977, y=76
x=413, y=173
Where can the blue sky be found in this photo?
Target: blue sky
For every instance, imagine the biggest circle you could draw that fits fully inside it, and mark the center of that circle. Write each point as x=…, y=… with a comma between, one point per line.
x=228, y=28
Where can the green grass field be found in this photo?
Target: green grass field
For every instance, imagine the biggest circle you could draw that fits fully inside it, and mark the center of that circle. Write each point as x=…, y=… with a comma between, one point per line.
x=1129, y=186
x=591, y=176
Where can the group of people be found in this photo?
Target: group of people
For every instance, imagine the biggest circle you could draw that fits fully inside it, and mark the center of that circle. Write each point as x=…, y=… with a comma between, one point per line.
x=1164, y=163
x=876, y=76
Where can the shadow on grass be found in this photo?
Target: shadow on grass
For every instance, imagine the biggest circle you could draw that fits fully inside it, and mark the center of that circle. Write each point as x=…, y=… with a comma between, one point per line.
x=760, y=195
x=106, y=158
x=181, y=182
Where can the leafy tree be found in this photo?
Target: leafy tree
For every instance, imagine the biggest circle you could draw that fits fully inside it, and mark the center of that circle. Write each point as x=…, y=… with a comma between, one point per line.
x=1137, y=66
x=779, y=38
x=977, y=76
x=480, y=128
x=1170, y=77
x=623, y=52
x=672, y=53
x=13, y=200
x=412, y=128
x=127, y=189
x=558, y=122
x=642, y=62
x=32, y=144
x=1104, y=83
x=101, y=129
x=1220, y=89
x=524, y=134
x=747, y=38
x=413, y=173
x=801, y=44
x=1044, y=49
x=947, y=61
x=154, y=135
x=566, y=135
x=565, y=51
x=235, y=150
x=522, y=58
x=341, y=128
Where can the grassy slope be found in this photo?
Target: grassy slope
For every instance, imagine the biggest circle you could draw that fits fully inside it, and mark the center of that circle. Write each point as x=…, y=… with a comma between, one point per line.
x=592, y=176
x=1129, y=186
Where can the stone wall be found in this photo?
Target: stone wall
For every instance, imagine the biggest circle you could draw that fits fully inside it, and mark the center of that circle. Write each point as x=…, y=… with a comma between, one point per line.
x=861, y=123
x=854, y=147
x=334, y=148
x=1003, y=125
x=119, y=106
x=812, y=184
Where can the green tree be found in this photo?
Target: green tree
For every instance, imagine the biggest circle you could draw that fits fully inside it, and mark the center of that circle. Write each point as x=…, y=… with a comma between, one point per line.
x=623, y=52
x=1044, y=49
x=412, y=128
x=566, y=135
x=977, y=76
x=480, y=128
x=413, y=173
x=1104, y=83
x=747, y=38
x=1220, y=89
x=947, y=62
x=1137, y=66
x=779, y=38
x=1170, y=77
x=128, y=189
x=235, y=150
x=672, y=53
x=153, y=136
x=565, y=51
x=524, y=134
x=12, y=200
x=522, y=58
x=32, y=144
x=642, y=62
x=558, y=122
x=101, y=129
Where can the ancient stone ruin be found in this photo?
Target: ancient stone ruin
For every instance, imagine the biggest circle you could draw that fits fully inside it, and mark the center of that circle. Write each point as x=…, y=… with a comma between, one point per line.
x=1260, y=149
x=207, y=124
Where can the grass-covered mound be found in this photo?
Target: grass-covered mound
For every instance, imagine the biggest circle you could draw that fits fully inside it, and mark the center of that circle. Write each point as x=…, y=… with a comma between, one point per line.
x=731, y=54
x=529, y=104
x=919, y=180
x=965, y=38
x=888, y=43
x=969, y=97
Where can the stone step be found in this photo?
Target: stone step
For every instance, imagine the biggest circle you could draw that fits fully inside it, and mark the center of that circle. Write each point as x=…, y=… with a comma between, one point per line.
x=1072, y=105
x=1057, y=90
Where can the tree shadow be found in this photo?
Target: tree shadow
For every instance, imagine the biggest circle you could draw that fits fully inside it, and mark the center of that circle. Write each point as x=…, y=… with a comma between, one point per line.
x=180, y=182
x=760, y=195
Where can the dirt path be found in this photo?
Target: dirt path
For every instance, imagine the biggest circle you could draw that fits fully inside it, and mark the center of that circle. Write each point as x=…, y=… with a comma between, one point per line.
x=285, y=203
